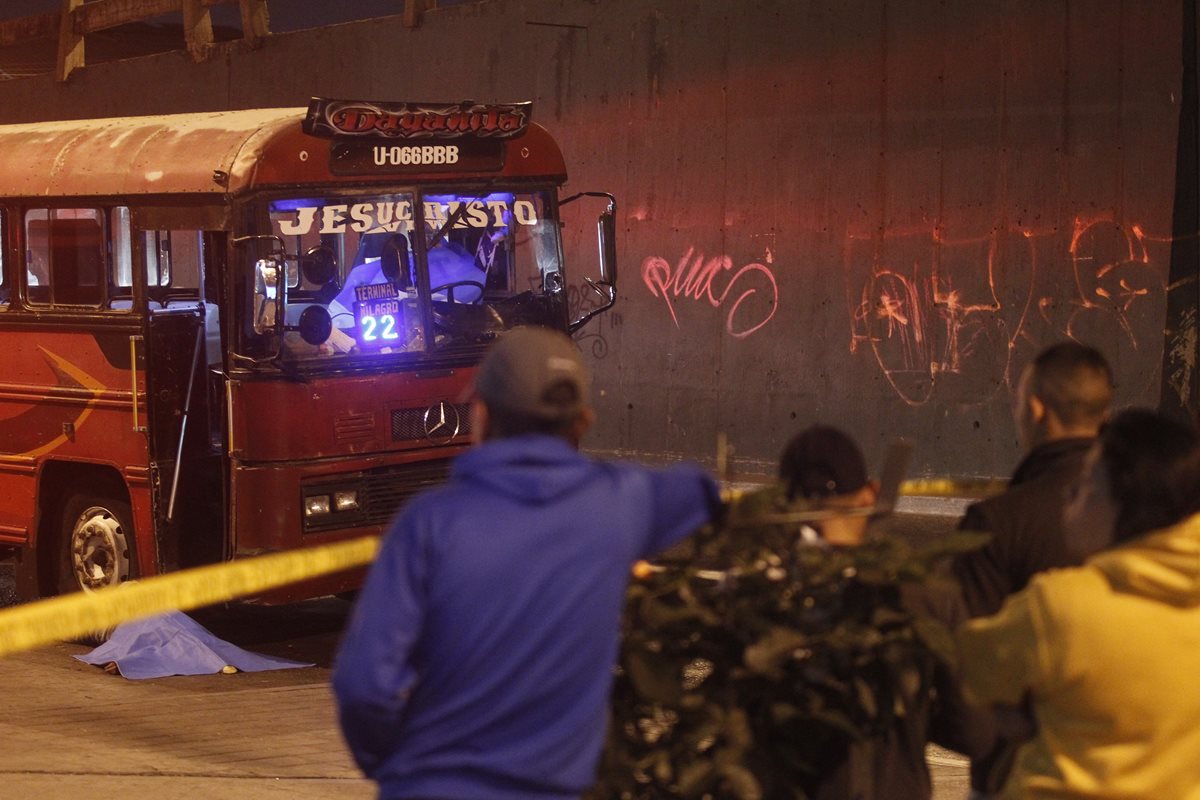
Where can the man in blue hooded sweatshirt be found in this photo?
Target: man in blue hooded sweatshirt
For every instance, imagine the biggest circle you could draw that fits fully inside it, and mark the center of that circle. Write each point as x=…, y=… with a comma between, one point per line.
x=478, y=663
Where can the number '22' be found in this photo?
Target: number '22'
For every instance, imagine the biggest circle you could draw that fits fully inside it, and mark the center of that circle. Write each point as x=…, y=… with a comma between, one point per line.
x=387, y=324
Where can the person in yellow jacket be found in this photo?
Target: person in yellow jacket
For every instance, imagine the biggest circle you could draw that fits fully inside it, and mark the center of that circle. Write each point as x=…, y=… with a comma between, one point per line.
x=1107, y=655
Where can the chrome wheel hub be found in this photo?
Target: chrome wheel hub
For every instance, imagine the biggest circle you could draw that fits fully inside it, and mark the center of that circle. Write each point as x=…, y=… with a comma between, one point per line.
x=99, y=552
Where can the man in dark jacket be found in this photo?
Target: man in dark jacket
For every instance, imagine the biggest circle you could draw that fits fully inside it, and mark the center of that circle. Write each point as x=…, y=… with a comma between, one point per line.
x=1062, y=400
x=479, y=660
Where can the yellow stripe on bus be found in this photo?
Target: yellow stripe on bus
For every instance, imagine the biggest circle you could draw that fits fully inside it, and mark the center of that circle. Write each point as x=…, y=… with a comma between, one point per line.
x=33, y=625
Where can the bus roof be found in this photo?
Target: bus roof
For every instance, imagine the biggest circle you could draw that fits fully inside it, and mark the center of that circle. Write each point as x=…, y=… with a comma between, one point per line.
x=198, y=153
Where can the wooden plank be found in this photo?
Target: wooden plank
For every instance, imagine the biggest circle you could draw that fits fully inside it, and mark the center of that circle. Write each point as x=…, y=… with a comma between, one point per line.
x=22, y=29
x=45, y=26
x=99, y=15
x=70, y=43
x=255, y=21
x=197, y=29
x=103, y=14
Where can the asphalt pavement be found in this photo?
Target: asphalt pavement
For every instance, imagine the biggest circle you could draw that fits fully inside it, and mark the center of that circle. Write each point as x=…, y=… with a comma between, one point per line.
x=72, y=730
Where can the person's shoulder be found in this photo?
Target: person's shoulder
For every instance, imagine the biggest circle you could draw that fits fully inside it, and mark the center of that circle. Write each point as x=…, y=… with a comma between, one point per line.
x=1066, y=601
x=1048, y=485
x=675, y=499
x=1068, y=587
x=1024, y=501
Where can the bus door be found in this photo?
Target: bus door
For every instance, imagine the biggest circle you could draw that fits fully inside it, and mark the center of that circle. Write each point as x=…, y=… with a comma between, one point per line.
x=182, y=347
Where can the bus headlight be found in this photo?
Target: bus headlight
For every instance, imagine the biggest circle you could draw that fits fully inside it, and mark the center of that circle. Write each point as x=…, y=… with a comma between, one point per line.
x=316, y=505
x=334, y=502
x=346, y=500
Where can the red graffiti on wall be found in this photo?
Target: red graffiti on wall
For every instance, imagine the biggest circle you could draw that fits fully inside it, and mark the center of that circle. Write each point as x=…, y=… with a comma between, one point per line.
x=952, y=316
x=693, y=276
x=1112, y=270
x=921, y=324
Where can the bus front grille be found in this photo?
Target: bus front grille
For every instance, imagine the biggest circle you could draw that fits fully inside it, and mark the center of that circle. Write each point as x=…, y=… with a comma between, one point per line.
x=438, y=423
x=380, y=493
x=387, y=489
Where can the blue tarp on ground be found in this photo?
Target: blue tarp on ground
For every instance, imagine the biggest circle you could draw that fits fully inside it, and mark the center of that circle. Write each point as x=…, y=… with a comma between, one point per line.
x=175, y=644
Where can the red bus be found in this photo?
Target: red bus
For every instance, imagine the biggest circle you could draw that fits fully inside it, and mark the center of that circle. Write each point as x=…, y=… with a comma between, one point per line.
x=239, y=332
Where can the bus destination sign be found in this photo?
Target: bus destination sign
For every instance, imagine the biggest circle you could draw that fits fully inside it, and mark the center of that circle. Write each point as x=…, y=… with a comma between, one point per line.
x=378, y=314
x=359, y=119
x=375, y=157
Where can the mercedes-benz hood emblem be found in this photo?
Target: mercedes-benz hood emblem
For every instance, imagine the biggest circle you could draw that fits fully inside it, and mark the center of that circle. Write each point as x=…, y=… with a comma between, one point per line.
x=442, y=422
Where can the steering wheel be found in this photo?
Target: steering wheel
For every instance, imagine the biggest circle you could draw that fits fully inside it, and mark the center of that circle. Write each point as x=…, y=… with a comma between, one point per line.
x=466, y=319
x=448, y=288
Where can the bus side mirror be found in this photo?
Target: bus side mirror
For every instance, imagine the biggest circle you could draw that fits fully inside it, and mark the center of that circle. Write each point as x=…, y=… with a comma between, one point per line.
x=606, y=237
x=270, y=295
x=606, y=234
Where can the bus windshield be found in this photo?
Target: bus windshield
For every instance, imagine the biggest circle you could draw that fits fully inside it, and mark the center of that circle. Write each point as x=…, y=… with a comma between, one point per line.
x=484, y=261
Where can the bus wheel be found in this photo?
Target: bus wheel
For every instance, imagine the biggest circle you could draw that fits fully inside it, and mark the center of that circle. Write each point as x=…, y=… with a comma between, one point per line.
x=98, y=538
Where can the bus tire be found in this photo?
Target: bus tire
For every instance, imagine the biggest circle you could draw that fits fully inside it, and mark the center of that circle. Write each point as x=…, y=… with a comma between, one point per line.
x=97, y=544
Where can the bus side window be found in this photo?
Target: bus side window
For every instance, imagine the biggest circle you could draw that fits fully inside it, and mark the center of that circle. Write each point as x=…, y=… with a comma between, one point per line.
x=37, y=255
x=174, y=265
x=157, y=255
x=120, y=293
x=65, y=262
x=185, y=261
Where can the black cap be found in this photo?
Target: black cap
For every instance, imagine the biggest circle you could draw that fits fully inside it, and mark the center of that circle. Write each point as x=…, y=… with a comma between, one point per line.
x=535, y=372
x=822, y=461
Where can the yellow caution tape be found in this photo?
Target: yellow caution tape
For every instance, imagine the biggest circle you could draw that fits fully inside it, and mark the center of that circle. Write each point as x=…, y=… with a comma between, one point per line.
x=32, y=625
x=70, y=616
x=924, y=487
x=944, y=487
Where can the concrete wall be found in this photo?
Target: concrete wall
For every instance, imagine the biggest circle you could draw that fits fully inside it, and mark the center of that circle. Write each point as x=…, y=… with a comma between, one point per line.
x=864, y=212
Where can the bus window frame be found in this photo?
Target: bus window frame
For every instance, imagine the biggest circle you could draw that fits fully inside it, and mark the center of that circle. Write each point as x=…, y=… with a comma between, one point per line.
x=102, y=211
x=162, y=216
x=158, y=214
x=253, y=211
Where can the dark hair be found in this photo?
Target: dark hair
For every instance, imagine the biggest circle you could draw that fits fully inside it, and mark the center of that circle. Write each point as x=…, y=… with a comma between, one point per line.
x=1074, y=381
x=505, y=423
x=822, y=461
x=1153, y=468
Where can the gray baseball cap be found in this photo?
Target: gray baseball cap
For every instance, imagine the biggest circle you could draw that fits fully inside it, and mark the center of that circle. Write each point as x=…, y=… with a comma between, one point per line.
x=534, y=371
